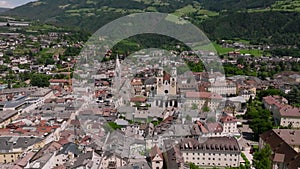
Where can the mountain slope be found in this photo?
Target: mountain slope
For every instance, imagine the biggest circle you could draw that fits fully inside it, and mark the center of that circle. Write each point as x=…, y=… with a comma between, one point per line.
x=218, y=5
x=272, y=27
x=259, y=21
x=91, y=14
x=4, y=9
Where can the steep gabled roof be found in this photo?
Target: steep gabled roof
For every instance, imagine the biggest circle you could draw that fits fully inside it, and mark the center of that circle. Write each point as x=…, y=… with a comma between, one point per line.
x=154, y=151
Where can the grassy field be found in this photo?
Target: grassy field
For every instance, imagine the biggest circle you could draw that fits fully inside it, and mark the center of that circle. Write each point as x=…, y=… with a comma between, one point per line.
x=195, y=9
x=286, y=5
x=185, y=10
x=222, y=51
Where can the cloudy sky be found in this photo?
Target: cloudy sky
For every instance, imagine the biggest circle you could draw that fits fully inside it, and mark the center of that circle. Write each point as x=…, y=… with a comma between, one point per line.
x=13, y=3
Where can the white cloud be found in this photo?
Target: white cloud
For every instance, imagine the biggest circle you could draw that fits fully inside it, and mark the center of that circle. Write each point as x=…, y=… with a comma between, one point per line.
x=5, y=4
x=13, y=3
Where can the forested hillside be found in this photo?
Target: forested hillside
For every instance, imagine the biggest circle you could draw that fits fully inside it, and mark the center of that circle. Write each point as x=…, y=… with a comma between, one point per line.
x=273, y=22
x=233, y=5
x=259, y=27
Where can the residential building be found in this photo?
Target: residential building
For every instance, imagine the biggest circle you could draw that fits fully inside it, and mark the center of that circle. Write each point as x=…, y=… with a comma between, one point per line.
x=211, y=100
x=229, y=125
x=283, y=114
x=111, y=160
x=11, y=148
x=157, y=160
x=225, y=89
x=290, y=116
x=285, y=147
x=87, y=160
x=214, y=151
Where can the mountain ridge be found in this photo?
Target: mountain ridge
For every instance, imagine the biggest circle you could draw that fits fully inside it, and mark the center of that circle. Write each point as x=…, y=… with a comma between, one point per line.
x=242, y=19
x=3, y=9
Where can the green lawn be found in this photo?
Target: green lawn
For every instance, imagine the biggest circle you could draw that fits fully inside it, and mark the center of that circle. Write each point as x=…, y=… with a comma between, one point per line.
x=185, y=10
x=222, y=51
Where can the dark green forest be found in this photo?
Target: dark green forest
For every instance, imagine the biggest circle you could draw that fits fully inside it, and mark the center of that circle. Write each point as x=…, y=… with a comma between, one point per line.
x=255, y=21
x=280, y=28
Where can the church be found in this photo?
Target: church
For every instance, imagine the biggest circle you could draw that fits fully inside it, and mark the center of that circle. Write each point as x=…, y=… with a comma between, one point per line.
x=166, y=94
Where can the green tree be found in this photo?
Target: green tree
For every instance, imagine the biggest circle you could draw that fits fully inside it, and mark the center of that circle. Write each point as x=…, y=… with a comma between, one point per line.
x=193, y=166
x=262, y=158
x=194, y=106
x=114, y=126
x=259, y=118
x=269, y=92
x=205, y=109
x=40, y=80
x=294, y=96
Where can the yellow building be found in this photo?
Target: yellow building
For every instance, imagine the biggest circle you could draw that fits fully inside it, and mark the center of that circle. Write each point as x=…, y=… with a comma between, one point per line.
x=11, y=148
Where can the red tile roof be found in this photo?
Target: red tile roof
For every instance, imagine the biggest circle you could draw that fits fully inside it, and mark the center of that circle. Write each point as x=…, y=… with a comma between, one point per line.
x=290, y=112
x=167, y=76
x=227, y=118
x=155, y=150
x=214, y=127
x=58, y=81
x=138, y=99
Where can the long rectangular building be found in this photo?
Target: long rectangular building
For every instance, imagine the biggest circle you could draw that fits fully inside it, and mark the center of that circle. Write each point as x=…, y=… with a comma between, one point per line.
x=214, y=151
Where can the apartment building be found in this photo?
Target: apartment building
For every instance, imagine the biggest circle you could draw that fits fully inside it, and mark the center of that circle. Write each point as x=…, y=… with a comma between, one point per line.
x=225, y=89
x=290, y=116
x=212, y=100
x=11, y=148
x=229, y=124
x=283, y=114
x=284, y=144
x=214, y=151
